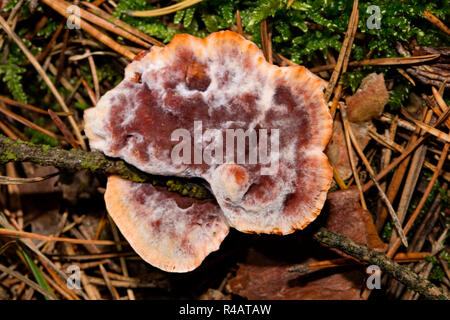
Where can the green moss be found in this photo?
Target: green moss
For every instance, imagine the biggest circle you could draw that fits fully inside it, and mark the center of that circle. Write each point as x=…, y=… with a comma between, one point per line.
x=37, y=137
x=387, y=230
x=436, y=273
x=8, y=156
x=12, y=75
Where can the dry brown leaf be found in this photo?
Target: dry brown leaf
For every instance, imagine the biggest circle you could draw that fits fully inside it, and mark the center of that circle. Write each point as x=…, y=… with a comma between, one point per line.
x=337, y=148
x=266, y=276
x=369, y=100
x=262, y=278
x=345, y=216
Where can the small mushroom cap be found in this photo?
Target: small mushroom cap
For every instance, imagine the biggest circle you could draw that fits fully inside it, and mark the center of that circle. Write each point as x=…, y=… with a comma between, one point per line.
x=224, y=82
x=170, y=232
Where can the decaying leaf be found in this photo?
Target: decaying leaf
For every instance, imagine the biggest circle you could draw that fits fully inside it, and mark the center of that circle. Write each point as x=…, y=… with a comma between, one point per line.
x=264, y=274
x=337, y=148
x=262, y=278
x=369, y=100
x=345, y=216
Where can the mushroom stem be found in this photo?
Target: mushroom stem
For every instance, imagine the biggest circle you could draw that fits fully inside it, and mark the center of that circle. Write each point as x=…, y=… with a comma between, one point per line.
x=75, y=160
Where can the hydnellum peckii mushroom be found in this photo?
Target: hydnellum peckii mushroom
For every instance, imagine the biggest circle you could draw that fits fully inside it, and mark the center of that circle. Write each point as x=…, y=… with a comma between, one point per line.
x=209, y=89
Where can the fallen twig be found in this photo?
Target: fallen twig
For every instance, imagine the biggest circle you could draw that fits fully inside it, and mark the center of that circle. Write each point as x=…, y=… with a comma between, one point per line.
x=367, y=255
x=163, y=11
x=391, y=210
x=344, y=53
x=76, y=160
x=381, y=62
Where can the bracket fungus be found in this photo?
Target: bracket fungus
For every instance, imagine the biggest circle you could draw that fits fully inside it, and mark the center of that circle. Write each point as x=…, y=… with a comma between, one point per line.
x=213, y=108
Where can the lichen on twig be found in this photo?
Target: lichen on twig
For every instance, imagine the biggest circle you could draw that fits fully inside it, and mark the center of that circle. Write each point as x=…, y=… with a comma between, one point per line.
x=367, y=255
x=95, y=162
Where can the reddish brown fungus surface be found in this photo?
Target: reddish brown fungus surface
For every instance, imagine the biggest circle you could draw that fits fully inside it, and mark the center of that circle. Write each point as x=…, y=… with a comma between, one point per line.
x=171, y=232
x=214, y=108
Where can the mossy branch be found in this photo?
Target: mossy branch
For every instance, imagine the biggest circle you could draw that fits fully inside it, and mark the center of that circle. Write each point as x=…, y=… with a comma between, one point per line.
x=364, y=254
x=95, y=162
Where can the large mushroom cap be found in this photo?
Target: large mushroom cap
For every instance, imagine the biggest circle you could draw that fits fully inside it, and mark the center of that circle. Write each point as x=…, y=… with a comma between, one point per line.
x=171, y=232
x=224, y=83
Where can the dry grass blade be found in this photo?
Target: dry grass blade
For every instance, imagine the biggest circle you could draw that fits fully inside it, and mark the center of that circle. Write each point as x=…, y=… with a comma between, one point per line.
x=337, y=177
x=123, y=263
x=29, y=235
x=94, y=74
x=341, y=262
x=240, y=30
x=62, y=285
x=440, y=101
x=44, y=76
x=385, y=141
x=108, y=283
x=445, y=175
x=412, y=178
x=444, y=266
x=27, y=122
x=336, y=98
x=391, y=210
x=352, y=163
x=90, y=93
x=92, y=291
x=389, y=118
x=62, y=57
x=59, y=288
x=438, y=23
x=88, y=54
x=163, y=11
x=406, y=75
x=381, y=62
x=44, y=260
x=9, y=132
x=65, y=131
x=436, y=109
x=95, y=256
x=346, y=46
x=427, y=128
x=41, y=56
x=321, y=265
x=398, y=175
x=11, y=180
x=122, y=283
x=406, y=153
x=393, y=249
x=14, y=103
x=99, y=12
x=92, y=31
x=92, y=18
x=29, y=282
x=266, y=42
